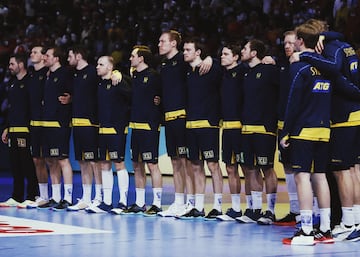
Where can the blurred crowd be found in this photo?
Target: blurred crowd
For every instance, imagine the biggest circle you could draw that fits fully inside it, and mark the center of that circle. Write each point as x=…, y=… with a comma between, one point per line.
x=114, y=26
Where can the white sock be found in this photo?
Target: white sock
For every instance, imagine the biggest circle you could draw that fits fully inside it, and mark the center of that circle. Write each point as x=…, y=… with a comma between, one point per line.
x=107, y=183
x=306, y=221
x=68, y=189
x=316, y=210
x=294, y=203
x=199, y=201
x=293, y=197
x=249, y=202
x=140, y=196
x=325, y=219
x=356, y=212
x=56, y=192
x=347, y=216
x=86, y=193
x=123, y=183
x=217, y=202
x=98, y=192
x=44, y=191
x=257, y=199
x=236, y=202
x=190, y=199
x=179, y=199
x=271, y=200
x=157, y=192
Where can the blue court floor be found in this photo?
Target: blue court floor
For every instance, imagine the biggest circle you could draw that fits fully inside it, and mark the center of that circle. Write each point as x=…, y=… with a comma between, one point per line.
x=94, y=235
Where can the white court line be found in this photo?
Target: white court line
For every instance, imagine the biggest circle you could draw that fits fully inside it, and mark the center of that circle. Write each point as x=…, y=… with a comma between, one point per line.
x=13, y=227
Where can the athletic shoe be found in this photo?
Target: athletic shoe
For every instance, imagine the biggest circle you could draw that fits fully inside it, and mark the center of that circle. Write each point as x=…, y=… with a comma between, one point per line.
x=300, y=238
x=135, y=209
x=341, y=232
x=39, y=201
x=9, y=203
x=101, y=208
x=47, y=206
x=230, y=215
x=355, y=235
x=62, y=206
x=267, y=218
x=152, y=211
x=173, y=210
x=250, y=216
x=213, y=214
x=118, y=209
x=80, y=205
x=182, y=211
x=323, y=237
x=288, y=220
x=24, y=204
x=192, y=214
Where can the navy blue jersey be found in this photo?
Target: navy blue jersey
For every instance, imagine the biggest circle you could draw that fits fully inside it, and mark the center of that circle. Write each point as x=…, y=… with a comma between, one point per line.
x=261, y=88
x=231, y=94
x=203, y=107
x=57, y=83
x=36, y=84
x=84, y=98
x=144, y=113
x=307, y=114
x=113, y=103
x=18, y=111
x=173, y=75
x=284, y=88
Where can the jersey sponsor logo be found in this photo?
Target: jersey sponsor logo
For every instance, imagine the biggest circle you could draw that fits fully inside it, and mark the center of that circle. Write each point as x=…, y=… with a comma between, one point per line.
x=21, y=142
x=321, y=86
x=234, y=74
x=262, y=160
x=209, y=154
x=258, y=75
x=314, y=71
x=147, y=156
x=88, y=155
x=113, y=155
x=146, y=79
x=54, y=152
x=349, y=51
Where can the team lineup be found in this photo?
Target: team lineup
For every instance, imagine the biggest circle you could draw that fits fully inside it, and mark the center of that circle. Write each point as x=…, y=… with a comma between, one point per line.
x=307, y=104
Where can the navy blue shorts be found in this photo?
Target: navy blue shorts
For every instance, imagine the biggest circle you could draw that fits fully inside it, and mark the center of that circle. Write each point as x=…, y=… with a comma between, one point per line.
x=56, y=142
x=86, y=143
x=258, y=150
x=231, y=146
x=145, y=145
x=175, y=135
x=203, y=144
x=309, y=156
x=36, y=141
x=344, y=147
x=112, y=146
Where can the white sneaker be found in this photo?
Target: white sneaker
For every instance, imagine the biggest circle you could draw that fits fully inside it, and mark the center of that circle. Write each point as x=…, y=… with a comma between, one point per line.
x=173, y=210
x=94, y=203
x=341, y=232
x=9, y=203
x=39, y=201
x=24, y=204
x=80, y=205
x=186, y=209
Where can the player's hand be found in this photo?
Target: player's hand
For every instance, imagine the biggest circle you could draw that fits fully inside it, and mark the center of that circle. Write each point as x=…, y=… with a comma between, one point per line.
x=65, y=98
x=295, y=57
x=320, y=45
x=284, y=143
x=268, y=60
x=4, y=136
x=205, y=65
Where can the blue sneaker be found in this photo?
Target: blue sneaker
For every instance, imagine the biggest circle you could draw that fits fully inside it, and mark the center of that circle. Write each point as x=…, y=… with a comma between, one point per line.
x=355, y=235
x=230, y=215
x=102, y=208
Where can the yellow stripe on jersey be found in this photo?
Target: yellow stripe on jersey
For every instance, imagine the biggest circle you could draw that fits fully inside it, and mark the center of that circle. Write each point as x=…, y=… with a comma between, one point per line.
x=199, y=124
x=314, y=134
x=231, y=125
x=19, y=129
x=107, y=131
